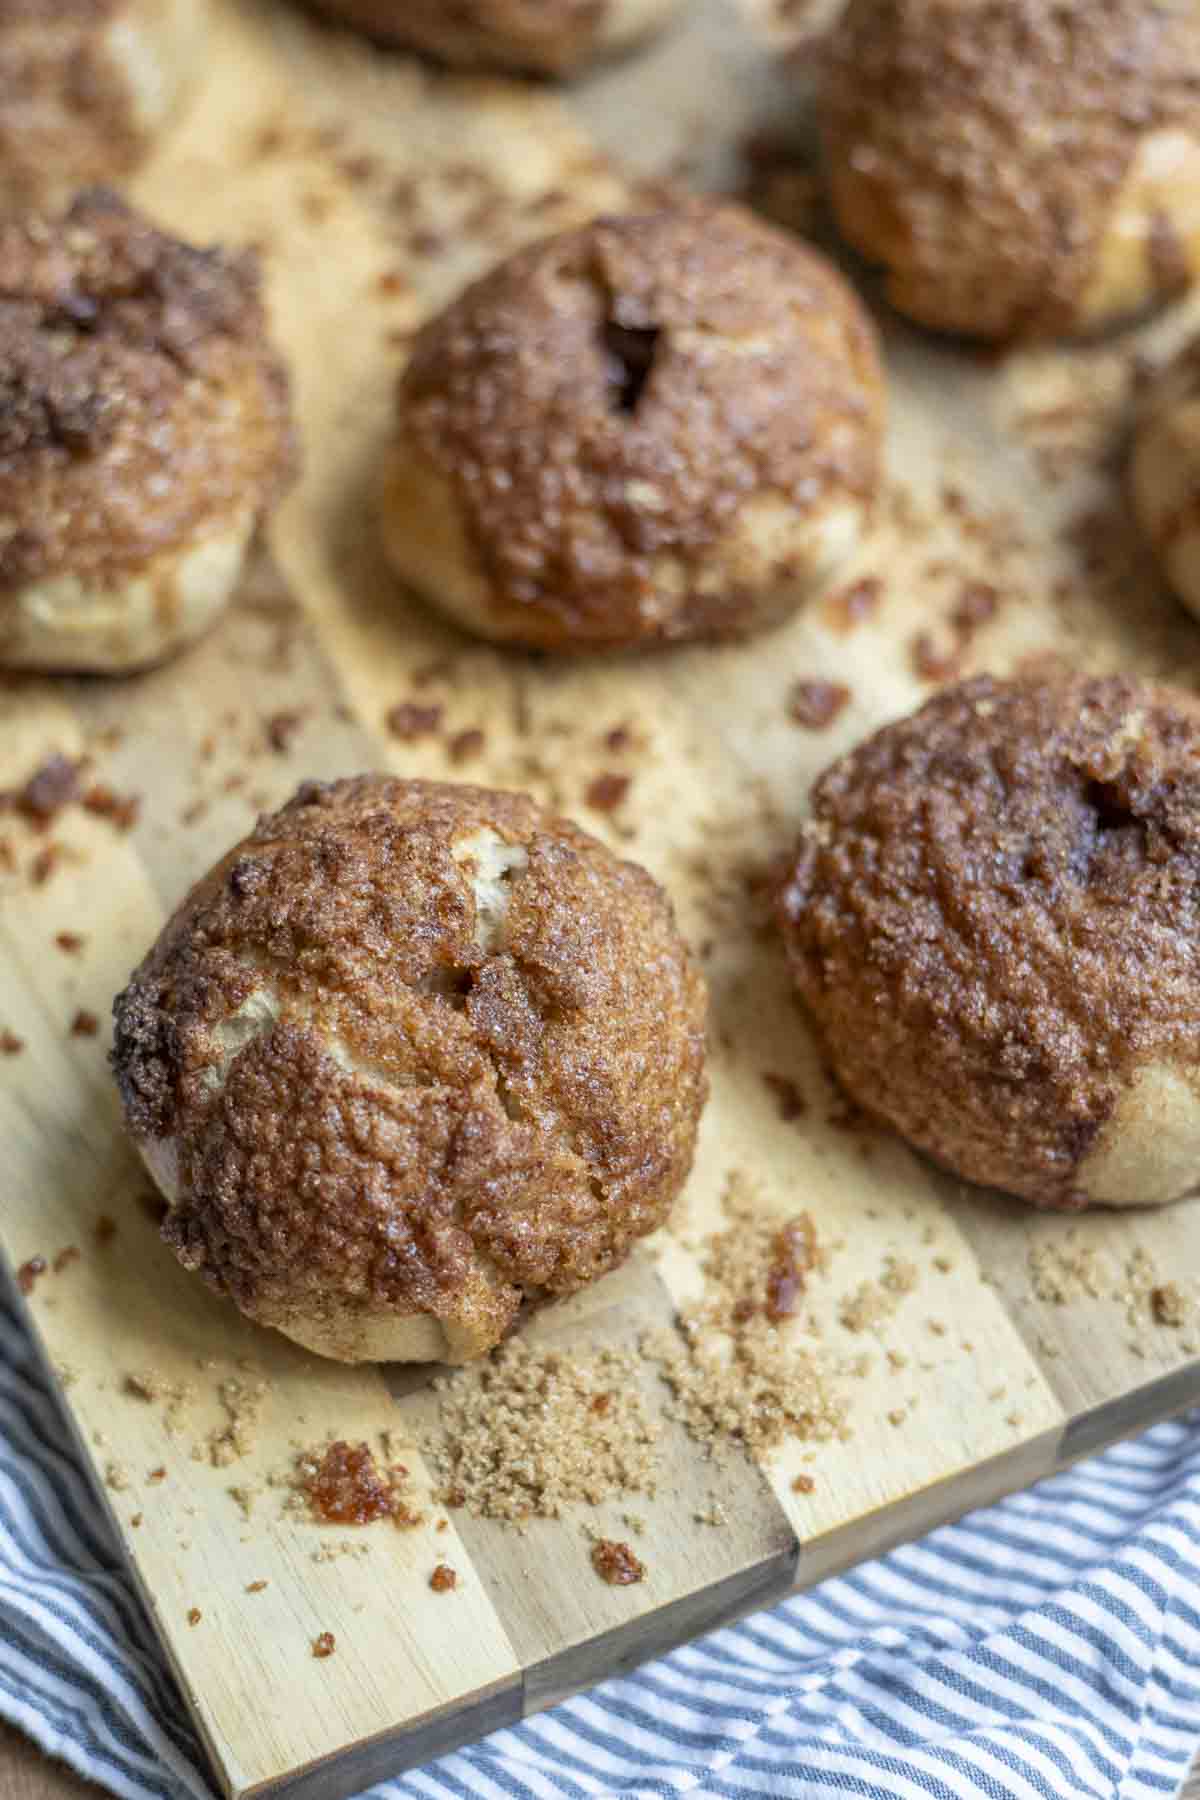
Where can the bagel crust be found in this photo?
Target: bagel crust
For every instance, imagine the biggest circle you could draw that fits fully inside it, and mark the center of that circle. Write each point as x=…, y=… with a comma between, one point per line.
x=1018, y=169
x=523, y=37
x=994, y=918
x=654, y=428
x=411, y=1056
x=144, y=430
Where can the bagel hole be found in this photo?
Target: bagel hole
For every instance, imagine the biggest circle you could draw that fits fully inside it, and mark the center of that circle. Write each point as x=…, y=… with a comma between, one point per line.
x=629, y=354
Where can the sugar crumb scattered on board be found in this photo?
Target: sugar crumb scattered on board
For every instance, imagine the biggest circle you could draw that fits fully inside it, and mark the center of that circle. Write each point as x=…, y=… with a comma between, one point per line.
x=529, y=1431
x=737, y=1369
x=616, y=1563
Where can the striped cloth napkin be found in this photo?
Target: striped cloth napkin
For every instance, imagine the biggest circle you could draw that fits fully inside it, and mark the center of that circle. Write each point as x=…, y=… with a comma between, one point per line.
x=1047, y=1647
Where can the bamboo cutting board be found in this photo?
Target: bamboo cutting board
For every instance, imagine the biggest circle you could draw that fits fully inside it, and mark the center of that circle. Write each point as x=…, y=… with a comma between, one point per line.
x=374, y=188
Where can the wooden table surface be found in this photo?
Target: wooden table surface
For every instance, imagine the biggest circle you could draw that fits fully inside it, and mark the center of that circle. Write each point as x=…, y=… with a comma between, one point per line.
x=25, y=1774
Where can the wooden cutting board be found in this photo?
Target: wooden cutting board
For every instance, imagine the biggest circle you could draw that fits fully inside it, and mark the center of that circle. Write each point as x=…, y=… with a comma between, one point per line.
x=374, y=188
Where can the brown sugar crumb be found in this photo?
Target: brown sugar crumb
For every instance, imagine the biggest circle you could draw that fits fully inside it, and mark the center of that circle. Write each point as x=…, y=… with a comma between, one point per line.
x=872, y=1302
x=330, y=1553
x=67, y=1255
x=931, y=664
x=256, y=1587
x=735, y=1373
x=85, y=1024
x=814, y=705
x=344, y=1486
x=104, y=1230
x=47, y=791
x=757, y=1256
x=43, y=865
x=791, y=1102
x=324, y=1644
x=10, y=1043
x=30, y=1272
x=1134, y=1290
x=1065, y=1271
x=175, y=1396
x=156, y=1475
x=865, y=1307
x=1168, y=1304
x=409, y=721
x=194, y=1615
x=616, y=1563
x=977, y=603
x=443, y=1579
x=70, y=942
x=521, y=1435
x=762, y=1393
x=606, y=792
x=899, y=1275
x=243, y=1498
x=135, y=1520
x=465, y=746
x=794, y=1252
x=122, y=810
x=803, y=1484
x=280, y=728
x=228, y=1443
x=847, y=609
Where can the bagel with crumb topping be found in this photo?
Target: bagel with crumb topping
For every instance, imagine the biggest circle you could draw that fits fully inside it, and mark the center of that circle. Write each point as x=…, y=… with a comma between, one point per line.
x=86, y=86
x=144, y=432
x=994, y=919
x=649, y=430
x=412, y=1057
x=1018, y=169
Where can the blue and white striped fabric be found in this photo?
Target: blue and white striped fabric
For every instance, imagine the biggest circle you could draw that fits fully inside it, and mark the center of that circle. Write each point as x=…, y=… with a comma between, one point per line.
x=1047, y=1647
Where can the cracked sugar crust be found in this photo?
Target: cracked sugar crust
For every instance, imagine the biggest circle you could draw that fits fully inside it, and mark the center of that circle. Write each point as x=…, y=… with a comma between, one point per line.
x=994, y=917
x=141, y=402
x=987, y=141
x=466, y=1066
x=608, y=403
